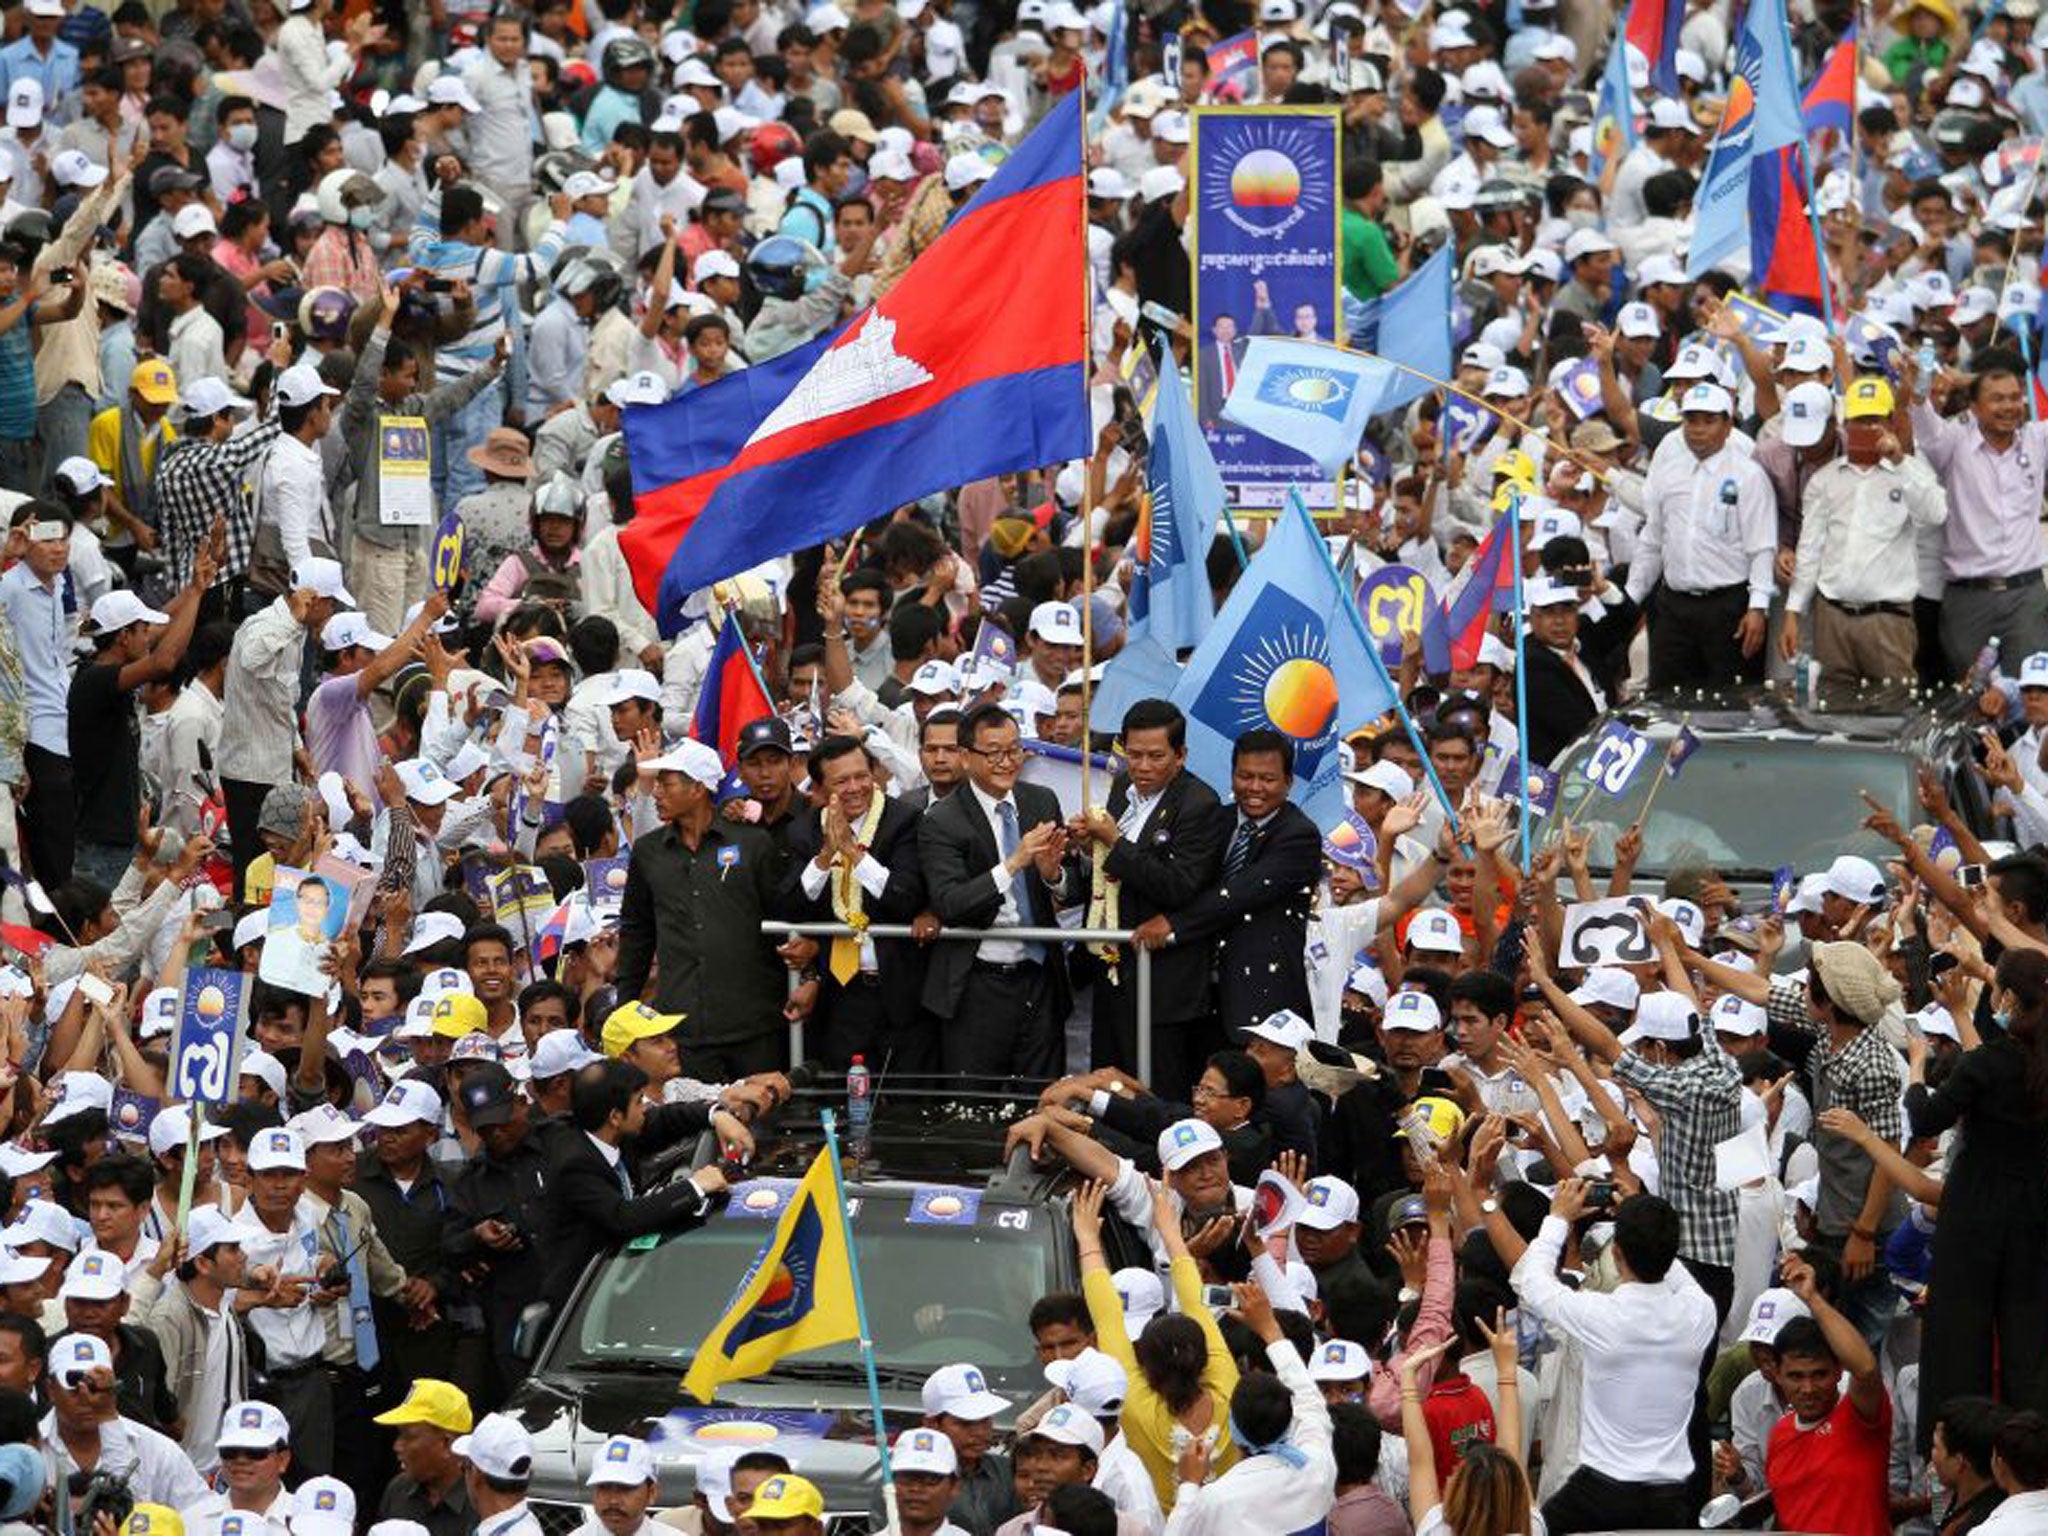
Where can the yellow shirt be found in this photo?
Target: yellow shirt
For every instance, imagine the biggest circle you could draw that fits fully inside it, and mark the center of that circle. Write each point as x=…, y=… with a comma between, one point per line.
x=1148, y=1424
x=103, y=445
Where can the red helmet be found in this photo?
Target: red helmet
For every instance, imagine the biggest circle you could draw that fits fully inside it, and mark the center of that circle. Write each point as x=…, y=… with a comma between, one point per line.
x=579, y=73
x=772, y=144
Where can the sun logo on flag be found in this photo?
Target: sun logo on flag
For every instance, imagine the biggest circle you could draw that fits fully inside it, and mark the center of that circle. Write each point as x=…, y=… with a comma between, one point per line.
x=1265, y=175
x=1286, y=684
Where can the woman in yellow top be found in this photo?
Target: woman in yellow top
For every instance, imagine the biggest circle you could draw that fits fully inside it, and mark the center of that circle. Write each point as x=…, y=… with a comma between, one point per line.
x=1180, y=1370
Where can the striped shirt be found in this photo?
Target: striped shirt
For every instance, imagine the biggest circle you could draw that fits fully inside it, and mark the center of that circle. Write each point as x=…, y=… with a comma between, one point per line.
x=492, y=276
x=18, y=378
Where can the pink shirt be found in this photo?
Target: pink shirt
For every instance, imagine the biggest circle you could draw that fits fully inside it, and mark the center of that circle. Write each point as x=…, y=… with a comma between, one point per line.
x=240, y=264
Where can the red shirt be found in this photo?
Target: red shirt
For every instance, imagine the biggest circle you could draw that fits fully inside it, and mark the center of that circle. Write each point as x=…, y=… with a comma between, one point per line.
x=1834, y=1475
x=1458, y=1415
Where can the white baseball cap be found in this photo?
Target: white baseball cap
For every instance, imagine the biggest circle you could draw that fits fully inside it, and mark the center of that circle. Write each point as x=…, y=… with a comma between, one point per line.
x=1770, y=1312
x=95, y=1275
x=1327, y=1203
x=1388, y=778
x=171, y=1130
x=1435, y=929
x=75, y=168
x=1855, y=879
x=939, y=679
x=439, y=983
x=1707, y=399
x=406, y=1103
x=120, y=608
x=693, y=760
x=1415, y=1012
x=1107, y=182
x=1070, y=1424
x=1667, y=112
x=450, y=91
x=25, y=103
x=498, y=1447
x=928, y=1451
x=432, y=928
x=425, y=782
x=192, y=220
x=1660, y=269
x=350, y=629
x=1691, y=921
x=1160, y=182
x=1184, y=1141
x=320, y=575
x=323, y=1506
x=1143, y=1297
x=1609, y=985
x=276, y=1148
x=80, y=476
x=209, y=397
x=559, y=1051
x=715, y=264
x=324, y=1127
x=77, y=1354
x=209, y=1226
x=622, y=1462
x=1339, y=1360
x=1661, y=1016
x=1286, y=1029
x=1586, y=242
x=1092, y=1381
x=965, y=170
x=1738, y=1016
x=642, y=388
x=629, y=683
x=301, y=384
x=159, y=1014
x=961, y=1392
x=264, y=1067
x=1809, y=410
x=1057, y=623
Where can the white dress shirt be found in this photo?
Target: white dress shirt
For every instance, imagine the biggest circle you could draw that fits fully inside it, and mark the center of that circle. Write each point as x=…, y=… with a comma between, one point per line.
x=873, y=876
x=292, y=1336
x=1642, y=1345
x=1001, y=951
x=2022, y=1514
x=1265, y=1492
x=156, y=1469
x=1859, y=534
x=1712, y=523
x=197, y=348
x=293, y=498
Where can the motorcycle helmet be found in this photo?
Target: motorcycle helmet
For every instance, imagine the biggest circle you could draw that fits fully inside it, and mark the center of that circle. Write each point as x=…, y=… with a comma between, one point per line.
x=324, y=314
x=780, y=266
x=772, y=144
x=622, y=54
x=343, y=190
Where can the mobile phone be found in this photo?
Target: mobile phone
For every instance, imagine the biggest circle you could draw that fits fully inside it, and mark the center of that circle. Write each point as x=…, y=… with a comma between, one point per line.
x=1939, y=964
x=439, y=285
x=94, y=989
x=1218, y=1298
x=1600, y=1195
x=61, y=274
x=1159, y=314
x=280, y=331
x=1970, y=876
x=219, y=921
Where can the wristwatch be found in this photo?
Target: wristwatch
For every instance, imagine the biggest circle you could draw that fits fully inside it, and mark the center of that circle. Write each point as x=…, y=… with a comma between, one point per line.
x=1489, y=1206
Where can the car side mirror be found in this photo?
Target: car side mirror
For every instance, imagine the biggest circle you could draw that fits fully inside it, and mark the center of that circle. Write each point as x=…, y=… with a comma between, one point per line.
x=531, y=1329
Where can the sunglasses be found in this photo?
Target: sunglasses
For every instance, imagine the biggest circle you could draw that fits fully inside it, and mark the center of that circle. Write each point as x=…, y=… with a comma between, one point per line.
x=244, y=1453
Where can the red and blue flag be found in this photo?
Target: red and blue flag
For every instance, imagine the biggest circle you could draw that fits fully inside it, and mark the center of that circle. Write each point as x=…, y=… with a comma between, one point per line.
x=974, y=365
x=1233, y=67
x=1653, y=27
x=734, y=696
x=1489, y=588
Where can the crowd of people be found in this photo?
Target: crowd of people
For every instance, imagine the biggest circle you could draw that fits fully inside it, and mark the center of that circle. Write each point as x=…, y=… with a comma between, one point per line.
x=1504, y=1244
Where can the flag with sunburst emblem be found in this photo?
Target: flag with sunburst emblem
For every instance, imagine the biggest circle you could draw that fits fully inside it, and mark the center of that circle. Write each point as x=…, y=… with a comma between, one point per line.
x=1314, y=397
x=797, y=1296
x=1283, y=655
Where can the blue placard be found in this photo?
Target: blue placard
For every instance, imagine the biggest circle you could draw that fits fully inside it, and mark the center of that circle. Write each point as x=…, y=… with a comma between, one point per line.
x=208, y=1049
x=1615, y=757
x=605, y=879
x=1397, y=600
x=447, y=563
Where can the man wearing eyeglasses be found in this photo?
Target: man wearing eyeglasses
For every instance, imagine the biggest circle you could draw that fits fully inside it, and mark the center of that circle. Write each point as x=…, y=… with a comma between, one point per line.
x=993, y=858
x=255, y=1444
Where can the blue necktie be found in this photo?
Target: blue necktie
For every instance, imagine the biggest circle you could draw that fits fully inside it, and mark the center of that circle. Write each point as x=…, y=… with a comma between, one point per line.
x=1240, y=847
x=361, y=1323
x=1006, y=839
x=625, y=1178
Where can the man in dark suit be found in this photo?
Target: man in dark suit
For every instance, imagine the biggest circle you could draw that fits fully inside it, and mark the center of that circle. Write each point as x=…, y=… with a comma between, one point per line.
x=594, y=1187
x=1565, y=658
x=992, y=853
x=855, y=860
x=1257, y=917
x=1165, y=831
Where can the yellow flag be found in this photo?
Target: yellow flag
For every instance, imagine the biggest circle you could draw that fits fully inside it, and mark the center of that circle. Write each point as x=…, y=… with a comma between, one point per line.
x=797, y=1296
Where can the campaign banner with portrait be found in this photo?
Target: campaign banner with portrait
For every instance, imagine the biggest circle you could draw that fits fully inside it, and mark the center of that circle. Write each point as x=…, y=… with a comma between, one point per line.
x=1264, y=228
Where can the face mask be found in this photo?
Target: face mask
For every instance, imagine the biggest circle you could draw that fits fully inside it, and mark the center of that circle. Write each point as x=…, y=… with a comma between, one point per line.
x=2002, y=1018
x=361, y=218
x=242, y=135
x=1581, y=218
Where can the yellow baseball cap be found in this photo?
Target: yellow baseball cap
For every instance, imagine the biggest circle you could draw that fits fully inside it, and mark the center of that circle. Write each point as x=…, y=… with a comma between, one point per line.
x=429, y=1402
x=1443, y=1117
x=156, y=383
x=1515, y=465
x=634, y=1021
x=457, y=1014
x=1869, y=397
x=153, y=1520
x=787, y=1497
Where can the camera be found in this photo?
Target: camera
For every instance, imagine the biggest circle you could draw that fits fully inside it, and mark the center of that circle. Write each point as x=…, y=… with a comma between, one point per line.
x=97, y=1491
x=1600, y=1195
x=334, y=1278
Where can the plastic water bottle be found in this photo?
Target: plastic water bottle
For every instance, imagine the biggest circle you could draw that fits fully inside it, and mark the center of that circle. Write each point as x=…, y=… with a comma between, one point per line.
x=860, y=1109
x=1805, y=678
x=1927, y=362
x=1984, y=668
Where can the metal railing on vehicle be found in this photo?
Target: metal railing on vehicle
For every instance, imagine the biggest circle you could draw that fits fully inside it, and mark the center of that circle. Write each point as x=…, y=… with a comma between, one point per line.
x=976, y=935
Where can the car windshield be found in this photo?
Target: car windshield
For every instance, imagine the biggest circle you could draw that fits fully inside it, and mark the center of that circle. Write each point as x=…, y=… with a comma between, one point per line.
x=1745, y=805
x=936, y=1293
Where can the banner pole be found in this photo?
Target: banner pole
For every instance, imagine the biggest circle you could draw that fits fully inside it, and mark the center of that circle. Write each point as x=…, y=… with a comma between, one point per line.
x=860, y=1313
x=1521, y=678
x=1820, y=244
x=1087, y=507
x=1372, y=650
x=1663, y=772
